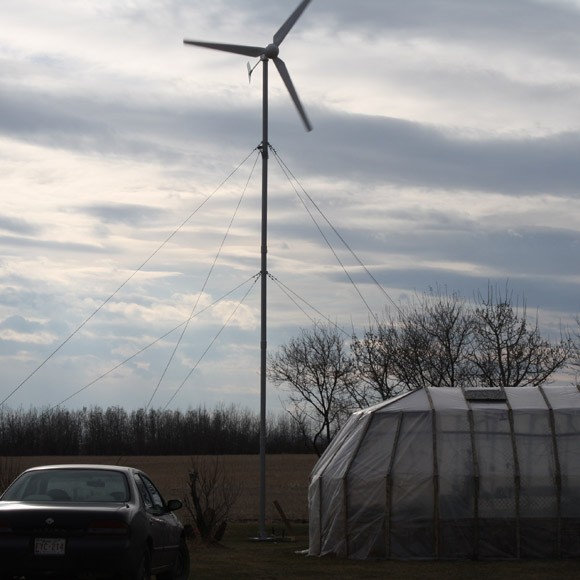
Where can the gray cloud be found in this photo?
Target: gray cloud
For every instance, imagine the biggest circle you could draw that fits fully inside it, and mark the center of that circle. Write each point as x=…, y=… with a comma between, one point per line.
x=19, y=323
x=48, y=244
x=357, y=147
x=412, y=154
x=520, y=23
x=123, y=213
x=17, y=225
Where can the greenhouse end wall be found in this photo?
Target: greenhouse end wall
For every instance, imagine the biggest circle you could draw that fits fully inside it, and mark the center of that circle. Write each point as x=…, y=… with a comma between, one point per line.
x=443, y=474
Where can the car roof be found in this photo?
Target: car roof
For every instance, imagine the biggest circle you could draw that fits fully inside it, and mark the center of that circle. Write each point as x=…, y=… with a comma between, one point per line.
x=80, y=466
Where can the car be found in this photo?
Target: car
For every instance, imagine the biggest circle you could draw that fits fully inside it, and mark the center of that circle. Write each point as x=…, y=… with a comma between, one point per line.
x=68, y=521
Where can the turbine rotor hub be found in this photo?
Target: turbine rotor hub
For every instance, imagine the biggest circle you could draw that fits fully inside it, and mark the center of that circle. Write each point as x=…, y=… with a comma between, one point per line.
x=272, y=51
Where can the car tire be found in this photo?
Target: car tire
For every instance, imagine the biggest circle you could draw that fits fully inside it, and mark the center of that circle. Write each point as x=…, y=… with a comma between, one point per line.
x=143, y=570
x=180, y=568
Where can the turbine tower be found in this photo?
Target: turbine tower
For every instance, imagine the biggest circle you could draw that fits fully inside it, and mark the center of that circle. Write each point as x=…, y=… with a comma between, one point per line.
x=267, y=53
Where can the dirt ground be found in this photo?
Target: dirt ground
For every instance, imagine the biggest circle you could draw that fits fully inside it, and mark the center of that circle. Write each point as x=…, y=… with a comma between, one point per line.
x=286, y=478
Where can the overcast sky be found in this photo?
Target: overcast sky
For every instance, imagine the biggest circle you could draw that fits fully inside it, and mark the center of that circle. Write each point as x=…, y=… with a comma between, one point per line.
x=444, y=151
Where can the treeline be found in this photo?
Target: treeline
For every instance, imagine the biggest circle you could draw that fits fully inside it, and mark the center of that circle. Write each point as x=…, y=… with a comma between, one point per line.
x=112, y=431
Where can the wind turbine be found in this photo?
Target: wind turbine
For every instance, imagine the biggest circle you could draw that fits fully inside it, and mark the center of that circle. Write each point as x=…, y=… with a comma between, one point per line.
x=267, y=53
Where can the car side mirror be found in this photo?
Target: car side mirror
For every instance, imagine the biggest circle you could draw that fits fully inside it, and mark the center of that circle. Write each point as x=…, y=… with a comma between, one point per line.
x=174, y=505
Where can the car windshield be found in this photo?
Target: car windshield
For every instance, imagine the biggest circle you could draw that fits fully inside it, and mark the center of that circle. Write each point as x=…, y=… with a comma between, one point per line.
x=77, y=485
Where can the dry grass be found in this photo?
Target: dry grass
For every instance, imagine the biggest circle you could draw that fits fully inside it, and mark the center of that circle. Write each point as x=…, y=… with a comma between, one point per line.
x=242, y=559
x=287, y=478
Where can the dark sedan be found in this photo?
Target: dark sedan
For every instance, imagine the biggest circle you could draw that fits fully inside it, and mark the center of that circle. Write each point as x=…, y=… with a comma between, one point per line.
x=65, y=521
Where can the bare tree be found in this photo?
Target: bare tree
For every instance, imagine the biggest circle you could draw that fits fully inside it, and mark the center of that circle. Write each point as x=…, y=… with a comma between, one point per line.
x=375, y=358
x=317, y=371
x=508, y=349
x=575, y=357
x=439, y=340
x=424, y=344
x=433, y=341
x=212, y=494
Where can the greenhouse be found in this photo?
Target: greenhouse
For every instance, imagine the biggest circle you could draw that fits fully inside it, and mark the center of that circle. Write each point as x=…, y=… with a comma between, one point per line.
x=443, y=473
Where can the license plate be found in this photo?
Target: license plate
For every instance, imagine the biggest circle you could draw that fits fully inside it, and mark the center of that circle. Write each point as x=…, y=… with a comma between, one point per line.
x=49, y=546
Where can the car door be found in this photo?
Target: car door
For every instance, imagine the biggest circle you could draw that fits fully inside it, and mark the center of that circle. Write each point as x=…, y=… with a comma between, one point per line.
x=163, y=525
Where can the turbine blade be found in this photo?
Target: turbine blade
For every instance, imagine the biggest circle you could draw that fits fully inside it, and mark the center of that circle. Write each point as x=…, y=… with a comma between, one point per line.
x=288, y=82
x=235, y=48
x=287, y=26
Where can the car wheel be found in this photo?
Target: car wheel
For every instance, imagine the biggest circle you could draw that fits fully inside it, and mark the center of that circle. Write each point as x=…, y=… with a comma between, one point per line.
x=143, y=570
x=180, y=568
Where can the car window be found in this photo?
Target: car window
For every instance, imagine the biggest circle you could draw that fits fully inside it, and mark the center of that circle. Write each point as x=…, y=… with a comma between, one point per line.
x=145, y=496
x=75, y=485
x=158, y=502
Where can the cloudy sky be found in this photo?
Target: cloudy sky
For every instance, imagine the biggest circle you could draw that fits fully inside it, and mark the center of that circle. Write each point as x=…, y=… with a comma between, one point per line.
x=445, y=152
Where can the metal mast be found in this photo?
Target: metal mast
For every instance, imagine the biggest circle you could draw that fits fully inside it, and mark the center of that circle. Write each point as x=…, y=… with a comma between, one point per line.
x=265, y=54
x=264, y=300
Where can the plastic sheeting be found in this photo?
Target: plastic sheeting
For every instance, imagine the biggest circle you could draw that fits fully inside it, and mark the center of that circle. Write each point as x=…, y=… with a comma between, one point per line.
x=436, y=474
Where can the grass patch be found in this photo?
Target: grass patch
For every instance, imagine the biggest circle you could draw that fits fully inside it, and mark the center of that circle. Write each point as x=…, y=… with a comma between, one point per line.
x=238, y=557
